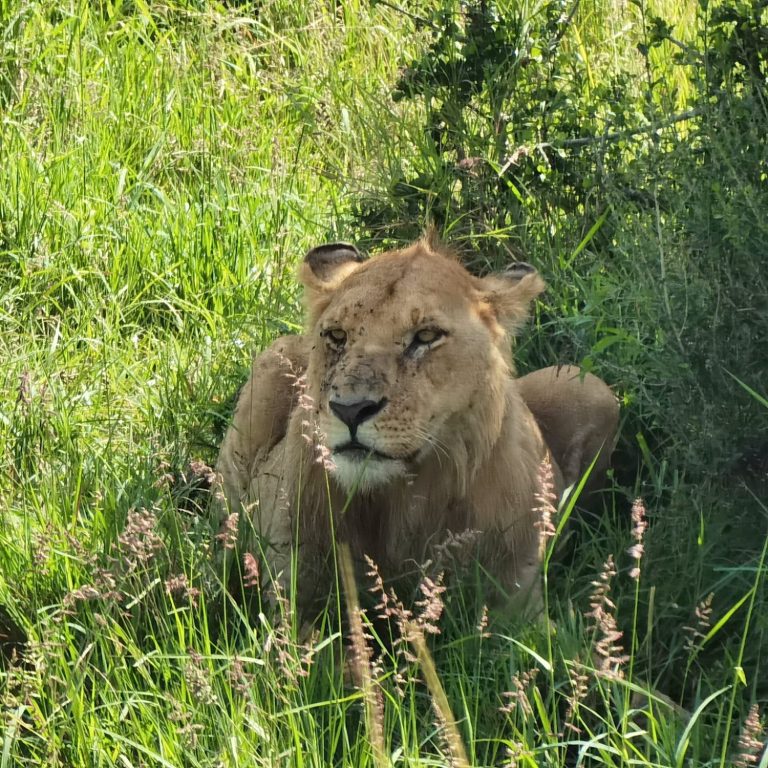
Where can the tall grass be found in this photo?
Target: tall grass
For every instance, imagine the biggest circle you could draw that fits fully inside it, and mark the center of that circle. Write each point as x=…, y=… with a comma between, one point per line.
x=162, y=167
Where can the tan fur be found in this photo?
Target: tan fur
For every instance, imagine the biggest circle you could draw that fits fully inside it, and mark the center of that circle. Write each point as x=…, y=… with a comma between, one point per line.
x=457, y=447
x=578, y=416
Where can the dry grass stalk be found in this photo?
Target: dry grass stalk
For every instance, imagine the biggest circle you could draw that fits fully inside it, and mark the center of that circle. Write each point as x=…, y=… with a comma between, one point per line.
x=578, y=681
x=293, y=659
x=517, y=698
x=439, y=699
x=703, y=615
x=361, y=660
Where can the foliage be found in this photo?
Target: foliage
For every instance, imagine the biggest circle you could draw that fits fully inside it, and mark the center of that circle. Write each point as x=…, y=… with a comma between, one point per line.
x=505, y=98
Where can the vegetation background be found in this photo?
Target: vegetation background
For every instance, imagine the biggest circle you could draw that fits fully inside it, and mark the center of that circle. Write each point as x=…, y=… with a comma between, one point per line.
x=164, y=165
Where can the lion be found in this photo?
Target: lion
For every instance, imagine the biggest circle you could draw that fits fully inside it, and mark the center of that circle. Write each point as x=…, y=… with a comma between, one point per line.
x=396, y=421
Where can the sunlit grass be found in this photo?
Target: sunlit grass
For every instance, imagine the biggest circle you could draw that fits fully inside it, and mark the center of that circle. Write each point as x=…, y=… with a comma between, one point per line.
x=162, y=168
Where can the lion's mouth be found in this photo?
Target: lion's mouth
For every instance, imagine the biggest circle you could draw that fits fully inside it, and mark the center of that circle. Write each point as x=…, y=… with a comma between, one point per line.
x=354, y=449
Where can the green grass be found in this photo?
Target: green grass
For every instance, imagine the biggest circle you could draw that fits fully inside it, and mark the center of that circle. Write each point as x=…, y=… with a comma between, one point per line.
x=162, y=169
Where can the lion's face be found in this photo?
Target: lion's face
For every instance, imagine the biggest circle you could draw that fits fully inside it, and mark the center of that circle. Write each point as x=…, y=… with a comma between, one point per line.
x=408, y=352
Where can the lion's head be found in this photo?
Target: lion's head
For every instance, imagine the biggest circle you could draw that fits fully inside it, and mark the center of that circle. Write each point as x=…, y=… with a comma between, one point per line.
x=409, y=358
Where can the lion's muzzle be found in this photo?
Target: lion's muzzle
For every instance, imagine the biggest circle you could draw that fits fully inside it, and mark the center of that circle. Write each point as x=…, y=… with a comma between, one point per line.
x=354, y=413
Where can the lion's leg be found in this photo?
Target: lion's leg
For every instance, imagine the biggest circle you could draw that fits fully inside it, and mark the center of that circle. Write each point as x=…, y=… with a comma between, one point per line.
x=259, y=424
x=578, y=416
x=518, y=569
x=269, y=527
x=261, y=416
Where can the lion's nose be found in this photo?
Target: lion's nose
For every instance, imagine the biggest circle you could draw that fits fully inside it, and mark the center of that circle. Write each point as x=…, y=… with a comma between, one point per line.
x=354, y=414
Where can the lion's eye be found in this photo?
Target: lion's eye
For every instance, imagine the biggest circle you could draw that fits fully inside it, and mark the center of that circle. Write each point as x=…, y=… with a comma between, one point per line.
x=427, y=336
x=336, y=336
x=424, y=340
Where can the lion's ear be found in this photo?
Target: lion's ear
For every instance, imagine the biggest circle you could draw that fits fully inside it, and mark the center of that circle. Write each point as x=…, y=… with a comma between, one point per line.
x=332, y=262
x=324, y=267
x=509, y=294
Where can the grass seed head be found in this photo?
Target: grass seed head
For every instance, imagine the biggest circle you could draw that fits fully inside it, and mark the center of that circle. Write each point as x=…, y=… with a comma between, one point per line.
x=609, y=653
x=751, y=744
x=639, y=526
x=546, y=500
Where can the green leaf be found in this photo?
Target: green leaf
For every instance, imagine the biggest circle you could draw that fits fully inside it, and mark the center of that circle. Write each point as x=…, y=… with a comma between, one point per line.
x=760, y=399
x=682, y=745
x=593, y=230
x=726, y=617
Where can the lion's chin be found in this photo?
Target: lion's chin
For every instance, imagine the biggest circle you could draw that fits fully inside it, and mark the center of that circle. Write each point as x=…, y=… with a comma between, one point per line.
x=365, y=474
